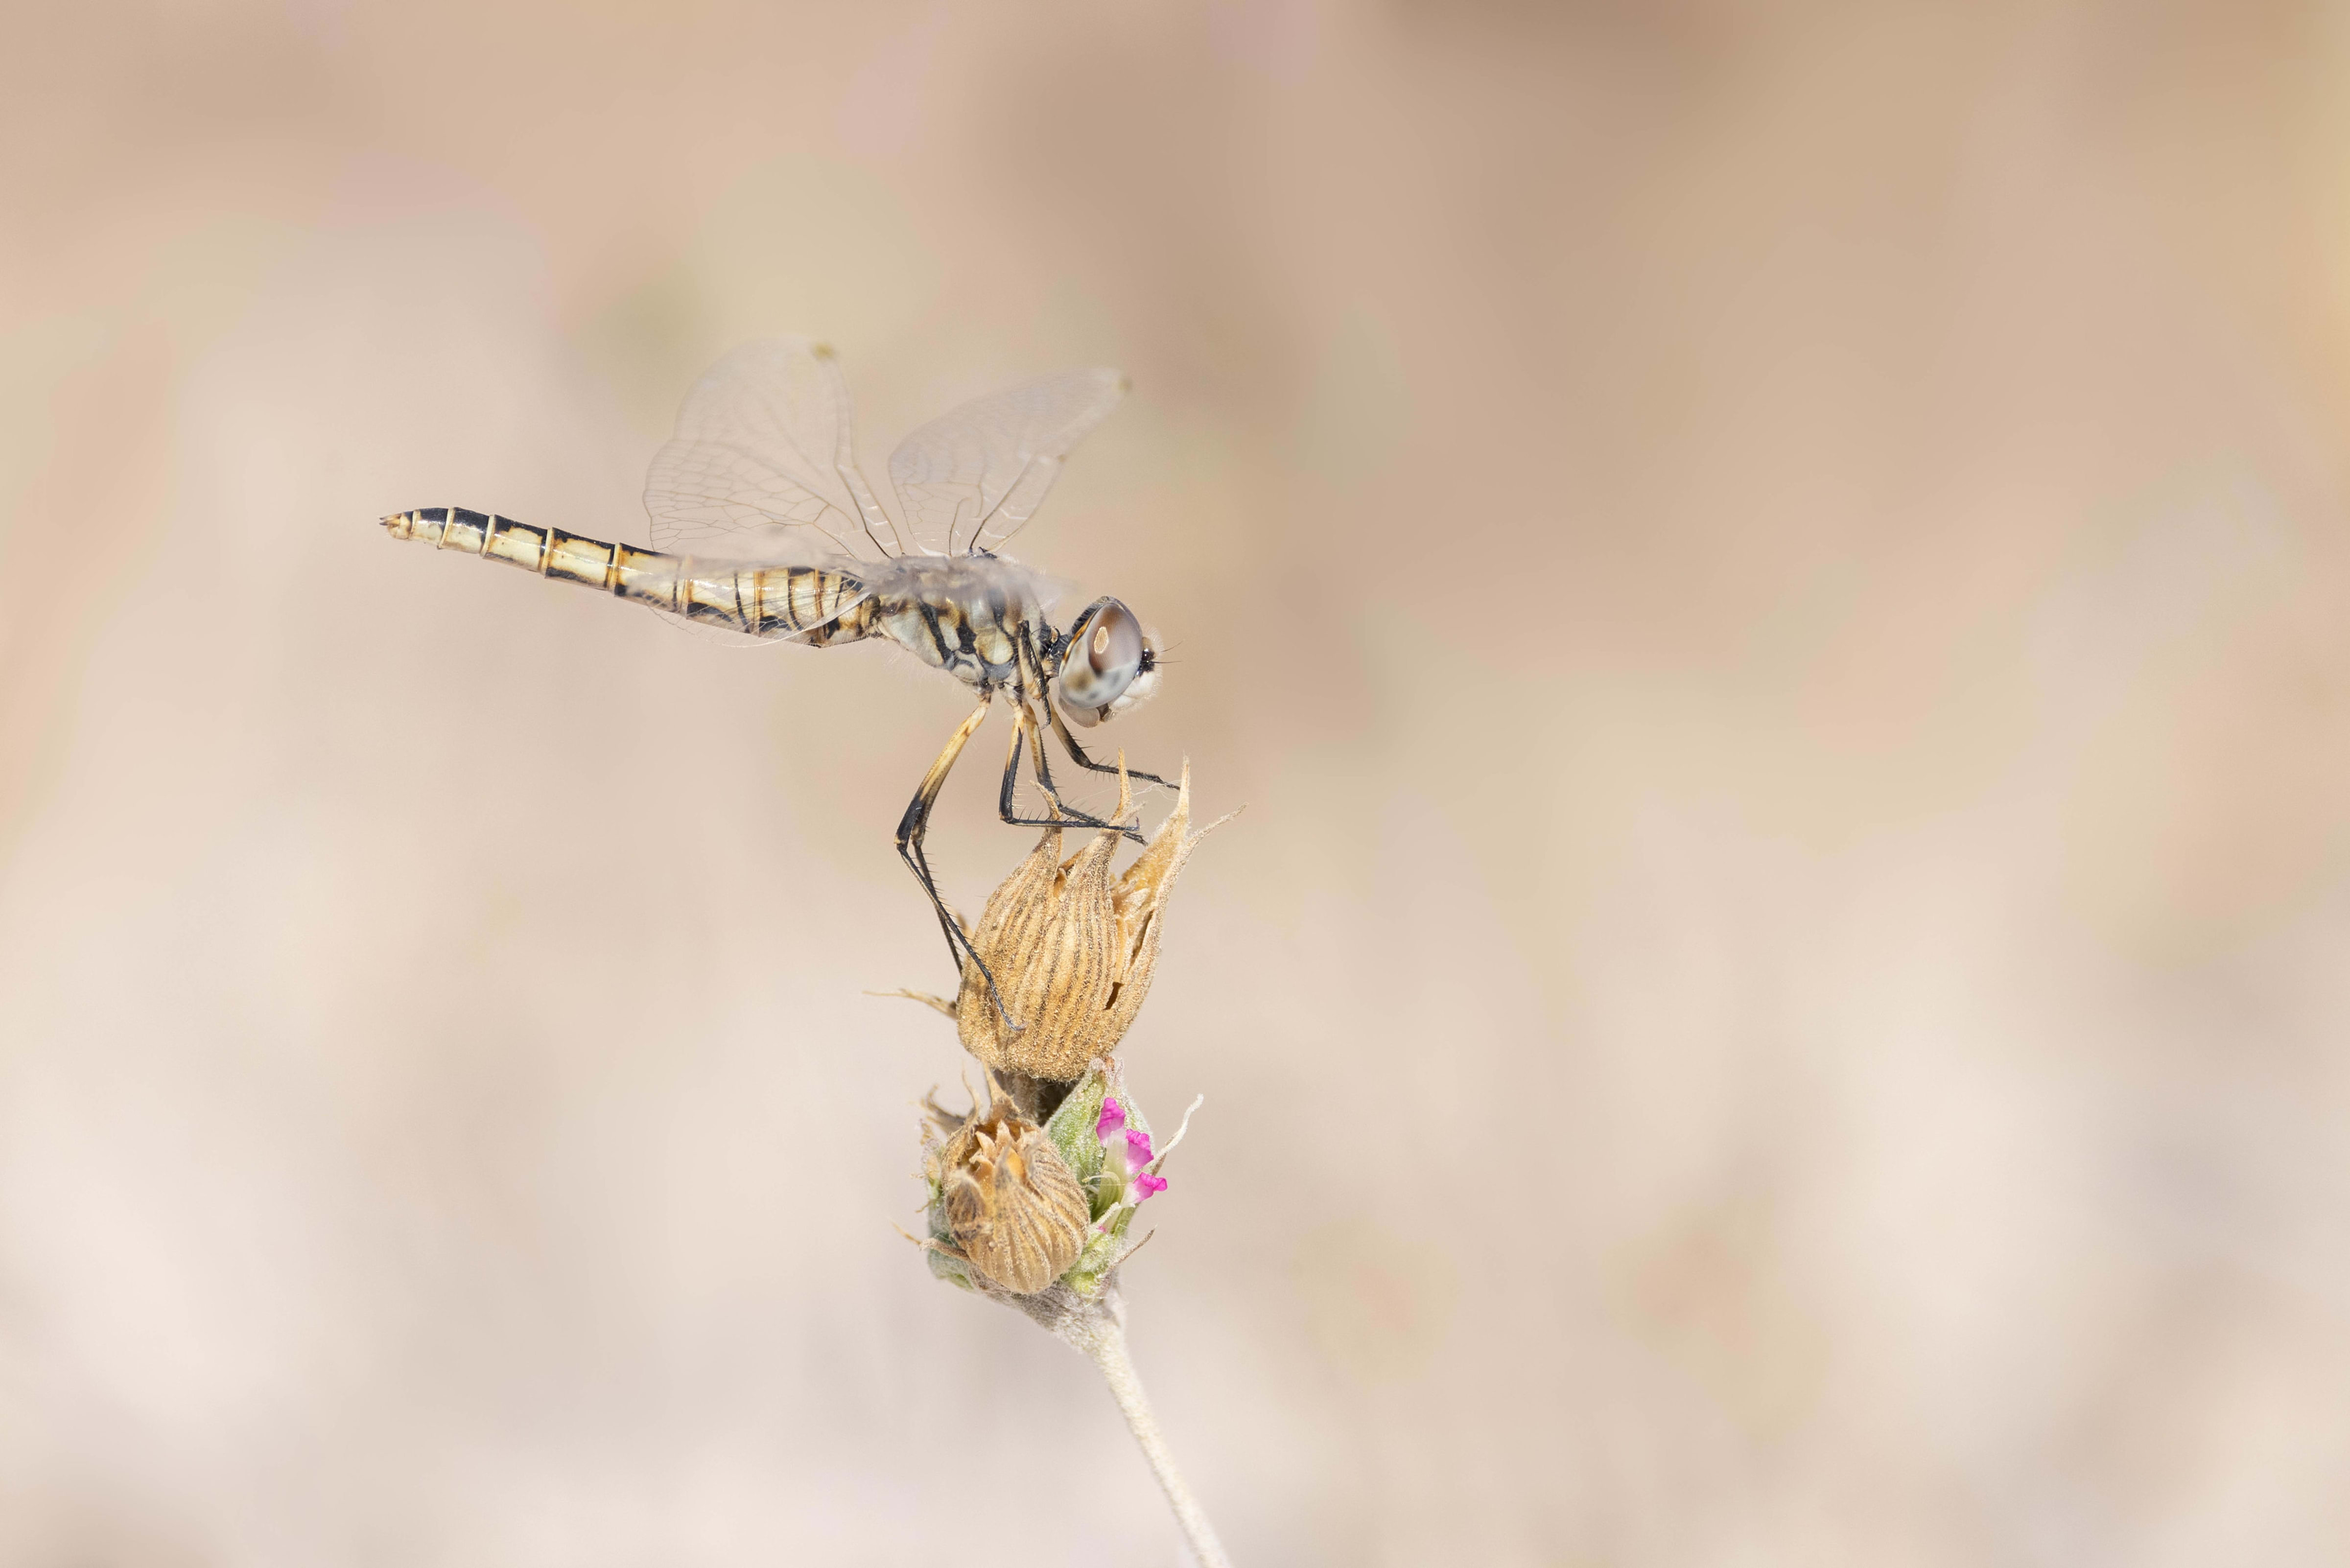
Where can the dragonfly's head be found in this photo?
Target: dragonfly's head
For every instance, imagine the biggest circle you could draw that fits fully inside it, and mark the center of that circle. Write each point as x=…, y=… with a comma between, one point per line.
x=1107, y=664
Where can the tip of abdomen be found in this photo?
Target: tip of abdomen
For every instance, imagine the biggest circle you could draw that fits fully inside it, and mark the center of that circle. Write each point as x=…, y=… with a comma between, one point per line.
x=415, y=525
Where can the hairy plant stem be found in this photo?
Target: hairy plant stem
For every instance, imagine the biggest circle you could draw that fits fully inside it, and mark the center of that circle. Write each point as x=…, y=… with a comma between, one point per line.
x=1108, y=1353
x=1097, y=1327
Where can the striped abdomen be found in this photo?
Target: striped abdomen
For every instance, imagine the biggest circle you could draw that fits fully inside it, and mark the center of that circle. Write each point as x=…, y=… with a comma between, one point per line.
x=819, y=608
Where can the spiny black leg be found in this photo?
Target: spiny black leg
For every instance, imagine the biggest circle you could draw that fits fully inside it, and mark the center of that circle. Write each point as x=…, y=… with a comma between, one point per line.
x=915, y=826
x=1043, y=763
x=1006, y=798
x=910, y=849
x=1011, y=776
x=1077, y=754
x=1044, y=778
x=1070, y=815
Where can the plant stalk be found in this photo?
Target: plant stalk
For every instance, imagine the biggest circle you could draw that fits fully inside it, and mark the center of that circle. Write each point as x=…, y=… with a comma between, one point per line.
x=1099, y=1330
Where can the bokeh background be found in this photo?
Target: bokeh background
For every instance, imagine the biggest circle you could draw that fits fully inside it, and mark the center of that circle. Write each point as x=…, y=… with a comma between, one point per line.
x=1771, y=578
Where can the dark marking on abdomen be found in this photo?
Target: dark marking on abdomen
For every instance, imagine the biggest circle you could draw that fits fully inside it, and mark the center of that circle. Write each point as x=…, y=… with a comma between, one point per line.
x=821, y=607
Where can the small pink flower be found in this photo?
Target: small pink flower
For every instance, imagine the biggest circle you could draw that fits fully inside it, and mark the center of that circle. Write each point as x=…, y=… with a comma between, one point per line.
x=1142, y=1181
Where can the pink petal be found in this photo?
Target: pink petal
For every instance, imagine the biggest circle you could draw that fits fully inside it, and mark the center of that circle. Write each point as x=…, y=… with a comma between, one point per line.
x=1137, y=1149
x=1151, y=1185
x=1112, y=1118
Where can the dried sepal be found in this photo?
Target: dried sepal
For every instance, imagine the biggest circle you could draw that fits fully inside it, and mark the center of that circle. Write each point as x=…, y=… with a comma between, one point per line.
x=1005, y=1203
x=1071, y=948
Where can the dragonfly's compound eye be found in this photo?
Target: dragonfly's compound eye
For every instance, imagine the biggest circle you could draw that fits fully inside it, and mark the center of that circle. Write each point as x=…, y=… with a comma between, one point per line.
x=1106, y=651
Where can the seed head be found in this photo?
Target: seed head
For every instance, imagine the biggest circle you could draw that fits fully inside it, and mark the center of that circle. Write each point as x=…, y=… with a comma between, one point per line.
x=1017, y=1209
x=1010, y=1205
x=1071, y=948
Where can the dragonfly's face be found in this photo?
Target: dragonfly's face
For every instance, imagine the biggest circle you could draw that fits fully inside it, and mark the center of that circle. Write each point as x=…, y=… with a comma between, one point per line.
x=1107, y=665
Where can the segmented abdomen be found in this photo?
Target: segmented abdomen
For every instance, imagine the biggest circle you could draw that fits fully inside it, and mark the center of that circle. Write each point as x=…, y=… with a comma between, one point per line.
x=819, y=608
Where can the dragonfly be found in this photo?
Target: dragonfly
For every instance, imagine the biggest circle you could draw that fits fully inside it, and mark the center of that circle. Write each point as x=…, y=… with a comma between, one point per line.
x=764, y=529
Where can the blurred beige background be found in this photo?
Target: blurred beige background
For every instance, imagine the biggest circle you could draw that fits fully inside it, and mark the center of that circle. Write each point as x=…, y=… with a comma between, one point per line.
x=1770, y=578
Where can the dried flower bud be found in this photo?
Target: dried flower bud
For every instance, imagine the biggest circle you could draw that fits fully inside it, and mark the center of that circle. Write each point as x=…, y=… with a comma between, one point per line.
x=1071, y=949
x=1010, y=1201
x=1006, y=1199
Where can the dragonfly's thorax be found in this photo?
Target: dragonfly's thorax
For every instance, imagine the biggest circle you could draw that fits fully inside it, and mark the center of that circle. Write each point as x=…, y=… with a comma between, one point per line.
x=967, y=623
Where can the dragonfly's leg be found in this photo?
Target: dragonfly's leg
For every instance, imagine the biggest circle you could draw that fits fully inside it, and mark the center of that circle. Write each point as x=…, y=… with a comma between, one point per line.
x=1077, y=753
x=1044, y=764
x=1011, y=775
x=1070, y=816
x=916, y=823
x=1052, y=716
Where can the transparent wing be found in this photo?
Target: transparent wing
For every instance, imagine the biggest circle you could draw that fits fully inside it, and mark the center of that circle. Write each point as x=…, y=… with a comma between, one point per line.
x=969, y=479
x=967, y=579
x=761, y=468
